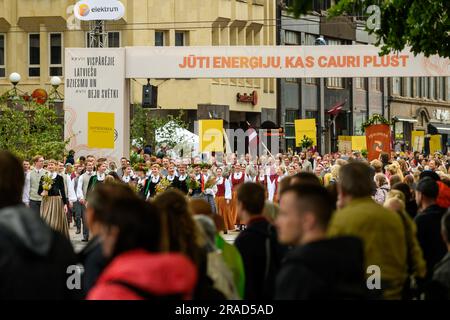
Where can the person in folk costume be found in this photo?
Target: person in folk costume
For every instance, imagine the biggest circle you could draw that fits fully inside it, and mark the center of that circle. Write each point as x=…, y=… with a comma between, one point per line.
x=127, y=175
x=82, y=191
x=64, y=171
x=182, y=179
x=262, y=180
x=208, y=186
x=155, y=178
x=194, y=192
x=171, y=176
x=280, y=174
x=142, y=181
x=237, y=178
x=98, y=177
x=223, y=199
x=54, y=201
x=197, y=171
x=250, y=173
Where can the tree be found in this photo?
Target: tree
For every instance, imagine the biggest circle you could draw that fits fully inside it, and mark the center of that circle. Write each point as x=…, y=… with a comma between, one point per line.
x=31, y=132
x=422, y=25
x=144, y=126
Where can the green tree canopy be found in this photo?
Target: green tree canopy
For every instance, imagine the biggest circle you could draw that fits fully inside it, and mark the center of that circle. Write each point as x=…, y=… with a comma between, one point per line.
x=421, y=24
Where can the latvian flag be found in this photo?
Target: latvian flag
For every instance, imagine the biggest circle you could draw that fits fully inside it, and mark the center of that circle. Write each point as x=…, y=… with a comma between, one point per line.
x=252, y=140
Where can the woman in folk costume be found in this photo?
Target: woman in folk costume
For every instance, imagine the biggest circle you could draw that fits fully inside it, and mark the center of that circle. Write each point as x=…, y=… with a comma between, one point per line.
x=208, y=185
x=222, y=199
x=237, y=178
x=54, y=201
x=127, y=177
x=141, y=181
x=97, y=178
x=273, y=183
x=154, y=179
x=182, y=179
x=262, y=180
x=250, y=173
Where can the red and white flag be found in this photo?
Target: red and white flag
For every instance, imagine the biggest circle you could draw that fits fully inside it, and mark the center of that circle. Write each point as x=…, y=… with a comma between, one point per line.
x=252, y=140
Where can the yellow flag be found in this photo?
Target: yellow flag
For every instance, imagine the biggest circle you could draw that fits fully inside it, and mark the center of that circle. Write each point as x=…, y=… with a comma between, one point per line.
x=101, y=130
x=417, y=140
x=359, y=143
x=435, y=143
x=305, y=127
x=210, y=135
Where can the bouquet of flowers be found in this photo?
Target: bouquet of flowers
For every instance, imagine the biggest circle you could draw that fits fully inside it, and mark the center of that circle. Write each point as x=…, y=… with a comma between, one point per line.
x=306, y=142
x=193, y=184
x=162, y=186
x=47, y=182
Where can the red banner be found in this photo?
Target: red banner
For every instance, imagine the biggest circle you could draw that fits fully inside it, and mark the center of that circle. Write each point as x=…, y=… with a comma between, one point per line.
x=378, y=138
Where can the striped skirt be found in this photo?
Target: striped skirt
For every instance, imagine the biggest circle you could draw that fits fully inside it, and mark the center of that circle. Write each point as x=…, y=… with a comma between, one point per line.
x=52, y=212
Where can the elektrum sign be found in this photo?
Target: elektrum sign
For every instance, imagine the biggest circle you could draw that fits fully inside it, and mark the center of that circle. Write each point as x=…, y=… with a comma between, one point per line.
x=88, y=10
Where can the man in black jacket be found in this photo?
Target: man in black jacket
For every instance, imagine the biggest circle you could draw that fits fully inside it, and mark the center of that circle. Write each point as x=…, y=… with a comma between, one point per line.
x=316, y=267
x=257, y=244
x=34, y=259
x=429, y=223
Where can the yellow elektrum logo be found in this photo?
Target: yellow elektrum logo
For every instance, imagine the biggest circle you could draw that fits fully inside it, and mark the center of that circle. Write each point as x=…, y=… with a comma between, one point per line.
x=84, y=10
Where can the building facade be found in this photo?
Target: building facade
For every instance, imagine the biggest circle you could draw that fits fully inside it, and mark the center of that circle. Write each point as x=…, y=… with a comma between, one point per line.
x=34, y=34
x=412, y=103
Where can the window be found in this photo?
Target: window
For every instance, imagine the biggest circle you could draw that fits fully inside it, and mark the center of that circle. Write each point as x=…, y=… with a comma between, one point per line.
x=180, y=39
x=337, y=83
x=440, y=88
x=56, y=54
x=424, y=87
x=432, y=88
x=360, y=118
x=396, y=86
x=291, y=38
x=160, y=39
x=114, y=39
x=415, y=87
x=289, y=127
x=360, y=83
x=375, y=84
x=34, y=58
x=310, y=39
x=2, y=56
x=406, y=87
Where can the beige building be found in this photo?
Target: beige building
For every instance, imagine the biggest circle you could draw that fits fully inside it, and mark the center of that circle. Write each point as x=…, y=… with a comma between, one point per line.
x=33, y=35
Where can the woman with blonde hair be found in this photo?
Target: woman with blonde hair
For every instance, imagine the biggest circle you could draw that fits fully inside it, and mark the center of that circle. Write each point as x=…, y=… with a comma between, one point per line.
x=54, y=199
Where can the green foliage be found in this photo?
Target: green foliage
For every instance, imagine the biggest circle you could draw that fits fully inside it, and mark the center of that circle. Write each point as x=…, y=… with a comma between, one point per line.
x=421, y=24
x=375, y=119
x=144, y=126
x=306, y=142
x=31, y=132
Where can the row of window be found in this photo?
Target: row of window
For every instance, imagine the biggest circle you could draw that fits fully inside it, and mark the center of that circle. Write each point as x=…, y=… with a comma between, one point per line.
x=56, y=45
x=433, y=88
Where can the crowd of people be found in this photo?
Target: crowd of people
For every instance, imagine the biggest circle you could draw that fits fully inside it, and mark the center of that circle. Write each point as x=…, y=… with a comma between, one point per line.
x=310, y=226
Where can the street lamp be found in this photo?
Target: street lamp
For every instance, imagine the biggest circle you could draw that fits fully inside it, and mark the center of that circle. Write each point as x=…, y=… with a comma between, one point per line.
x=55, y=82
x=14, y=78
x=320, y=41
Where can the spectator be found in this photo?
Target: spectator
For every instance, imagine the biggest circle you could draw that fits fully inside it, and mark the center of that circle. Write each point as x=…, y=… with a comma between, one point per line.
x=441, y=275
x=257, y=244
x=394, y=179
x=131, y=238
x=381, y=232
x=382, y=188
x=410, y=203
x=230, y=254
x=429, y=223
x=33, y=257
x=181, y=234
x=316, y=268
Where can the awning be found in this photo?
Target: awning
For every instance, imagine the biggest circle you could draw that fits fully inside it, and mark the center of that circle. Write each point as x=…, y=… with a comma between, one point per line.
x=404, y=119
x=442, y=128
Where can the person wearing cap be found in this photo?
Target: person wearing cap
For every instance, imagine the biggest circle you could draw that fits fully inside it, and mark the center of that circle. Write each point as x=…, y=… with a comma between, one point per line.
x=429, y=223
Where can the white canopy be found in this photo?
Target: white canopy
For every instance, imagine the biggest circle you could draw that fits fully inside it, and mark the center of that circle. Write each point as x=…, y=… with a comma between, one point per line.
x=184, y=139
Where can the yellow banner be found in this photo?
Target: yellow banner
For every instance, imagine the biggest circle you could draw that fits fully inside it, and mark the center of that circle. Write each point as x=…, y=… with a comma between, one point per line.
x=435, y=143
x=101, y=130
x=345, y=144
x=305, y=127
x=359, y=143
x=211, y=135
x=417, y=140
